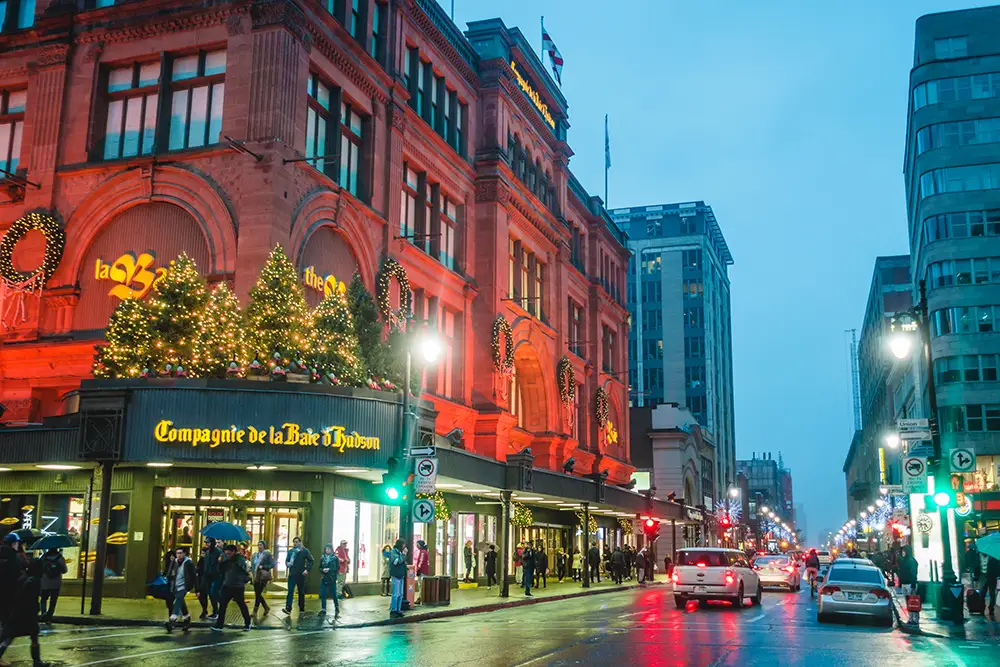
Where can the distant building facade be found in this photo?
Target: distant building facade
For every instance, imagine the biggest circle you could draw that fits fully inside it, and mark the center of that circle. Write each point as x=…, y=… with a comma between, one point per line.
x=680, y=341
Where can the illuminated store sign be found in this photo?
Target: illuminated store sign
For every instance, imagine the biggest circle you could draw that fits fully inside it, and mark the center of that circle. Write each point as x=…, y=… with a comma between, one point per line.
x=533, y=95
x=327, y=285
x=134, y=275
x=289, y=433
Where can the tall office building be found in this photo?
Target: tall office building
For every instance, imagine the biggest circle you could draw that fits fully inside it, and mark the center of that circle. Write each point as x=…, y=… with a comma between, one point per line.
x=680, y=342
x=952, y=175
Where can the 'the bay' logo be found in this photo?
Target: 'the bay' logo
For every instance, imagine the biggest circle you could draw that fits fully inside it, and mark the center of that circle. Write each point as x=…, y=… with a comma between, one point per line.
x=135, y=275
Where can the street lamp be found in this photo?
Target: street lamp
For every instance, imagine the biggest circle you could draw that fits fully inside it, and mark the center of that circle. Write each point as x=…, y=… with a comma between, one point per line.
x=871, y=508
x=892, y=440
x=879, y=502
x=764, y=510
x=734, y=492
x=902, y=326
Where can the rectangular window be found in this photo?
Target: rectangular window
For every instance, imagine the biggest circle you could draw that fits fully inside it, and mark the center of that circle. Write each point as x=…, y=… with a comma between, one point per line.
x=984, y=319
x=970, y=368
x=693, y=289
x=693, y=348
x=408, y=204
x=989, y=367
x=350, y=147
x=694, y=377
x=960, y=179
x=691, y=259
x=448, y=220
x=693, y=318
x=425, y=86
x=461, y=112
x=973, y=417
x=952, y=418
x=319, y=115
x=16, y=15
x=356, y=21
x=378, y=29
x=12, y=105
x=132, y=100
x=197, y=88
x=992, y=416
x=963, y=272
x=950, y=47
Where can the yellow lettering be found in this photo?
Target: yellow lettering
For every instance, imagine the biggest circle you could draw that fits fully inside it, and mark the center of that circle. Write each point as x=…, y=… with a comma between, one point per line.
x=162, y=427
x=533, y=95
x=102, y=270
x=291, y=433
x=277, y=437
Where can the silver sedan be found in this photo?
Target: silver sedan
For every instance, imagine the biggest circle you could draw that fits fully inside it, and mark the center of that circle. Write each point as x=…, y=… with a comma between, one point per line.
x=778, y=571
x=855, y=589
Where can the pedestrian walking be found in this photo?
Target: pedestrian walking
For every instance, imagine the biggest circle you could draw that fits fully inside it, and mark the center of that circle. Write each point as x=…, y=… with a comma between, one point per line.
x=640, y=565
x=908, y=570
x=618, y=563
x=518, y=565
x=329, y=568
x=53, y=569
x=541, y=565
x=212, y=578
x=668, y=565
x=385, y=590
x=491, y=566
x=262, y=566
x=234, y=577
x=422, y=568
x=11, y=572
x=561, y=563
x=629, y=561
x=181, y=578
x=594, y=562
x=21, y=619
x=298, y=562
x=577, y=565
x=467, y=558
x=202, y=588
x=345, y=567
x=397, y=575
x=973, y=564
x=528, y=567
x=990, y=582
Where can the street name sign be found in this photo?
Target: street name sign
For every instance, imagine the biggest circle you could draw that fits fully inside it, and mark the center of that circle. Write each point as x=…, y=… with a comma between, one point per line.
x=912, y=424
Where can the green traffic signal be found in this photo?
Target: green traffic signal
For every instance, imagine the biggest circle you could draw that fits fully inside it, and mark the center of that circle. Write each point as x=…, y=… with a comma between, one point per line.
x=942, y=499
x=392, y=493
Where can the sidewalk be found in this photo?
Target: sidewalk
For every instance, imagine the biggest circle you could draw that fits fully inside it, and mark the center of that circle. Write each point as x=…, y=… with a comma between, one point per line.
x=975, y=628
x=365, y=611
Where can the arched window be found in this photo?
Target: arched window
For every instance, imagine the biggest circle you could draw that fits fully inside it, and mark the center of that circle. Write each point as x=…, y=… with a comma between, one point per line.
x=530, y=181
x=520, y=163
x=511, y=148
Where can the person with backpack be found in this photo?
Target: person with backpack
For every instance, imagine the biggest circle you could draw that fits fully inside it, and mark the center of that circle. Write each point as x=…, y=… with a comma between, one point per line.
x=234, y=577
x=22, y=611
x=53, y=569
x=298, y=561
x=329, y=568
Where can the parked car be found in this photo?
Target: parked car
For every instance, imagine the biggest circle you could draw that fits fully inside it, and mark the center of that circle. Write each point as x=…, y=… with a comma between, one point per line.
x=779, y=571
x=856, y=588
x=714, y=574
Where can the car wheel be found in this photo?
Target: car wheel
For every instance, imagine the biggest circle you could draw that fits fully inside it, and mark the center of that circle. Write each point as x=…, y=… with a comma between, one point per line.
x=738, y=601
x=822, y=618
x=755, y=600
x=888, y=622
x=680, y=601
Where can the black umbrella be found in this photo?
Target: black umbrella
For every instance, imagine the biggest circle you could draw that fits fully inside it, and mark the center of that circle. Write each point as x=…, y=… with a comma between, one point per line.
x=28, y=535
x=52, y=542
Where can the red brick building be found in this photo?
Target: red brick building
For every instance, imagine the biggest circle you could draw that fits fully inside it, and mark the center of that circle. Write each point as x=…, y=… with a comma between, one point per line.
x=347, y=131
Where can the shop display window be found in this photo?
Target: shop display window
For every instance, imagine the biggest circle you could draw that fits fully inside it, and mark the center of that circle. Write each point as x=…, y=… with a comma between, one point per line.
x=367, y=527
x=63, y=514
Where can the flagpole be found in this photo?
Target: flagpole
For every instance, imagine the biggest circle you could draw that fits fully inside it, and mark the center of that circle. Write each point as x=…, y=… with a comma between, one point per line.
x=607, y=159
x=541, y=54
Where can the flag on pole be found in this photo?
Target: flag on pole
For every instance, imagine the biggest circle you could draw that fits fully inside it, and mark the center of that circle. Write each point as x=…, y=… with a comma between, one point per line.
x=607, y=144
x=549, y=47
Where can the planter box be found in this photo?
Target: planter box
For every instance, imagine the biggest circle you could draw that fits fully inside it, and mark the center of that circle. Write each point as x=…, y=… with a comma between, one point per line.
x=258, y=378
x=302, y=378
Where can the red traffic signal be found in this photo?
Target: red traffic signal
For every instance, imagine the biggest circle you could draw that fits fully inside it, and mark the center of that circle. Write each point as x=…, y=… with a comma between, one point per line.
x=725, y=522
x=650, y=524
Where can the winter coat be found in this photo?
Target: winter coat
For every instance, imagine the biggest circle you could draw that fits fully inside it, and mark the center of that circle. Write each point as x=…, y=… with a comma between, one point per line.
x=262, y=563
x=577, y=561
x=541, y=561
x=908, y=571
x=423, y=563
x=467, y=552
x=190, y=576
x=345, y=559
x=992, y=570
x=384, y=574
x=53, y=569
x=234, y=571
x=298, y=561
x=528, y=559
x=397, y=564
x=490, y=562
x=23, y=618
x=331, y=562
x=594, y=556
x=618, y=559
x=11, y=572
x=212, y=560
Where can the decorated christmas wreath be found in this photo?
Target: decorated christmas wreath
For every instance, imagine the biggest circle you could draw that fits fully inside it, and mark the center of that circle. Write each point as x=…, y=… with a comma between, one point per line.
x=566, y=377
x=626, y=525
x=522, y=516
x=591, y=525
x=442, y=510
x=392, y=269
x=55, y=242
x=601, y=407
x=503, y=361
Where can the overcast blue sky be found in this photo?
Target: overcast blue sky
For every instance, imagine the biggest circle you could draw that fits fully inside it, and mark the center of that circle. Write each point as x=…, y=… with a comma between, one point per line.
x=788, y=118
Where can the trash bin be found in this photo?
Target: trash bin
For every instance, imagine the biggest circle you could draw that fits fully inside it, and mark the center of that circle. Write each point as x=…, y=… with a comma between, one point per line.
x=429, y=590
x=444, y=590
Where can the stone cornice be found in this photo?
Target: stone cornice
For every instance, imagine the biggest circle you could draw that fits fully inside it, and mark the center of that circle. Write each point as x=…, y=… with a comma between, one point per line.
x=154, y=28
x=342, y=62
x=16, y=72
x=431, y=33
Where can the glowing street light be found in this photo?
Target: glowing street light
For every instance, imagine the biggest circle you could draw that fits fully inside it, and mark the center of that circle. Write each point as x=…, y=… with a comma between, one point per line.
x=892, y=440
x=901, y=342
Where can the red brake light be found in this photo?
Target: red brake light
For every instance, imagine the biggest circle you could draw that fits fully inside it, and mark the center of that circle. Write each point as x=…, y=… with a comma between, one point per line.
x=702, y=564
x=880, y=593
x=730, y=578
x=673, y=577
x=829, y=590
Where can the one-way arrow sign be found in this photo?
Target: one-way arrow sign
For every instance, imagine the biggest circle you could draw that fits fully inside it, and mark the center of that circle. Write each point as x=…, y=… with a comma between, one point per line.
x=962, y=460
x=423, y=451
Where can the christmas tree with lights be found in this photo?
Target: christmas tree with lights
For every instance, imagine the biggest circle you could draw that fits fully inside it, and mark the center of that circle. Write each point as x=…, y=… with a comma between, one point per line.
x=367, y=328
x=333, y=346
x=277, y=319
x=129, y=340
x=220, y=339
x=176, y=307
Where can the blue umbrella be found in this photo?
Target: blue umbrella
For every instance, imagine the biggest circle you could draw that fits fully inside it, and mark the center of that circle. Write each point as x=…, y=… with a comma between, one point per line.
x=225, y=531
x=52, y=542
x=989, y=545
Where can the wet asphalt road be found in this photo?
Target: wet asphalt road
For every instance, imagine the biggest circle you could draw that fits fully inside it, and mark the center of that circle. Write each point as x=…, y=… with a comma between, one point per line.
x=634, y=629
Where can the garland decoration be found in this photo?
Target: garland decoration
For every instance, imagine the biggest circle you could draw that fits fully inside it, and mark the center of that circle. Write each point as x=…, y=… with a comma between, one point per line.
x=392, y=269
x=55, y=242
x=503, y=361
x=442, y=510
x=601, y=407
x=566, y=377
x=591, y=525
x=626, y=524
x=521, y=516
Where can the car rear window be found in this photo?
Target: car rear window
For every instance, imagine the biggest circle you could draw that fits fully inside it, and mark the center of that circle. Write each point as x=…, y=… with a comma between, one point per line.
x=855, y=575
x=708, y=558
x=822, y=553
x=772, y=560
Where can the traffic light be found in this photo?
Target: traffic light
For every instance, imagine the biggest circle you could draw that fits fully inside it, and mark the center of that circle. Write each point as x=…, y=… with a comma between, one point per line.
x=941, y=499
x=395, y=482
x=726, y=523
x=651, y=529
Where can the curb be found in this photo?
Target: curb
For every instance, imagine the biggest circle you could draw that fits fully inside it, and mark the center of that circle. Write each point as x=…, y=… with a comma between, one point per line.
x=412, y=617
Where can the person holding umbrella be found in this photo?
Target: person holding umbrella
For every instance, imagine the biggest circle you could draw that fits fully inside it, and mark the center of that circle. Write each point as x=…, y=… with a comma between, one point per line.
x=235, y=576
x=21, y=619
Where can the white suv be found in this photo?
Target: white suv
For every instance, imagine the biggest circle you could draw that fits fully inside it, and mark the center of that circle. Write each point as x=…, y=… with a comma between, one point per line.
x=708, y=573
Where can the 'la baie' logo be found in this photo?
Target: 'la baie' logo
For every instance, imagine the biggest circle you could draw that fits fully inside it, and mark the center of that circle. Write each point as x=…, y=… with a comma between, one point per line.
x=135, y=275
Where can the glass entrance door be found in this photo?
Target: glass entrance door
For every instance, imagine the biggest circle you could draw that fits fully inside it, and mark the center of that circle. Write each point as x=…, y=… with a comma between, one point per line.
x=285, y=524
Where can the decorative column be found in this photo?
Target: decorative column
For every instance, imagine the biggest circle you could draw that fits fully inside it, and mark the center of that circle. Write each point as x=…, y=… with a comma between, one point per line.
x=43, y=121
